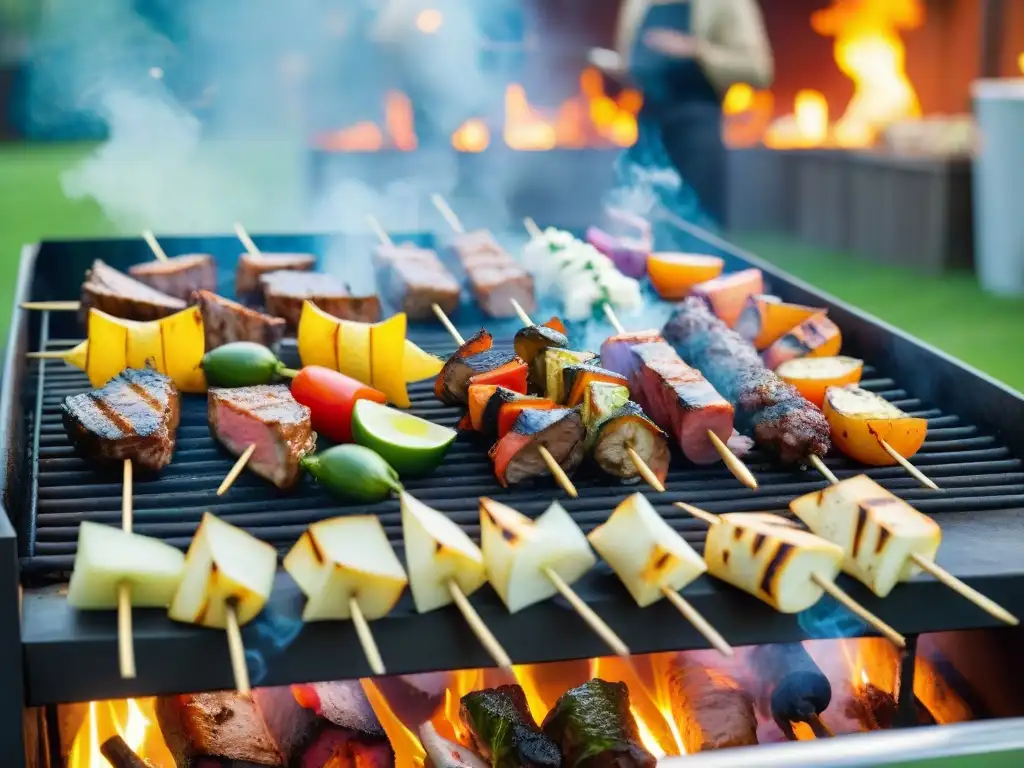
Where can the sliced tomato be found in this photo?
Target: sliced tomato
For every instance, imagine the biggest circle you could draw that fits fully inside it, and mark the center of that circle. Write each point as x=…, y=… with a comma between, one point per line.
x=510, y=412
x=511, y=375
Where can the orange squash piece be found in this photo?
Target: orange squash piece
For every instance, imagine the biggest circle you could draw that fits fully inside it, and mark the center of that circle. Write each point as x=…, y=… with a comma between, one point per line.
x=860, y=420
x=816, y=336
x=765, y=318
x=556, y=324
x=813, y=375
x=728, y=294
x=674, y=274
x=478, y=395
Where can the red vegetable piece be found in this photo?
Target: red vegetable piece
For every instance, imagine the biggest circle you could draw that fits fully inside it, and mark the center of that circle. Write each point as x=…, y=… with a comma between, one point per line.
x=330, y=397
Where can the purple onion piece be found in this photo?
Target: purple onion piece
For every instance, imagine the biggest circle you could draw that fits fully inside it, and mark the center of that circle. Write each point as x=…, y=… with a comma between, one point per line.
x=629, y=257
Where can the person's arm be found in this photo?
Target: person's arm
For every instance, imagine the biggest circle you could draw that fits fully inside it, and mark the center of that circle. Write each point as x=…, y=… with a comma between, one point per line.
x=737, y=49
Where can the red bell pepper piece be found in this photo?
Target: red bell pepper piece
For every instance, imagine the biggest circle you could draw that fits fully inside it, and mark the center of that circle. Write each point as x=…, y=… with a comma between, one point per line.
x=331, y=397
x=511, y=375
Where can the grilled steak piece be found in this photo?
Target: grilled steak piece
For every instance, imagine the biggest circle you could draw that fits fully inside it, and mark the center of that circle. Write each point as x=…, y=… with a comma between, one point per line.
x=495, y=276
x=285, y=292
x=710, y=708
x=268, y=416
x=250, y=268
x=773, y=412
x=412, y=279
x=225, y=321
x=179, y=276
x=502, y=729
x=132, y=416
x=115, y=293
x=516, y=456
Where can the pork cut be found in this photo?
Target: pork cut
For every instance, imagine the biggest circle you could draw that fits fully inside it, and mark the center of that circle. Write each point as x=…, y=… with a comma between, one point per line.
x=179, y=276
x=251, y=267
x=268, y=416
x=285, y=292
x=117, y=294
x=495, y=276
x=226, y=321
x=132, y=416
x=413, y=279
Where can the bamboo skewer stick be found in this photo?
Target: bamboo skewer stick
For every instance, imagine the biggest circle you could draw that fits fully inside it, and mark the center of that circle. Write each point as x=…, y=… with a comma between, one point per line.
x=237, y=651
x=825, y=584
x=154, y=246
x=819, y=465
x=250, y=246
x=521, y=313
x=48, y=355
x=125, y=639
x=699, y=623
x=366, y=640
x=52, y=306
x=236, y=470
x=531, y=227
x=480, y=629
x=378, y=230
x=587, y=613
x=449, y=215
x=913, y=471
x=819, y=728
x=645, y=471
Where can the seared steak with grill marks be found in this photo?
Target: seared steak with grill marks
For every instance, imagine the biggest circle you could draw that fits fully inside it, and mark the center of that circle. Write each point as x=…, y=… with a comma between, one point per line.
x=285, y=292
x=225, y=321
x=115, y=293
x=268, y=416
x=133, y=416
x=178, y=276
x=250, y=268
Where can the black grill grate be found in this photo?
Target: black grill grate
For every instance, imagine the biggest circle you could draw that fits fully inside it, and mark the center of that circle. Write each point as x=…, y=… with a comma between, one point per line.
x=975, y=472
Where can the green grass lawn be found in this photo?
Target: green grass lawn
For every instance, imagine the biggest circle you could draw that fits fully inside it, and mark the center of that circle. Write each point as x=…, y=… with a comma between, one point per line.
x=949, y=311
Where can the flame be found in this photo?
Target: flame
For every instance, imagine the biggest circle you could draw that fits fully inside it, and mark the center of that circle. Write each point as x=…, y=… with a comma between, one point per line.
x=409, y=751
x=399, y=120
x=471, y=136
x=1020, y=62
x=739, y=98
x=361, y=137
x=649, y=701
x=429, y=21
x=130, y=719
x=938, y=697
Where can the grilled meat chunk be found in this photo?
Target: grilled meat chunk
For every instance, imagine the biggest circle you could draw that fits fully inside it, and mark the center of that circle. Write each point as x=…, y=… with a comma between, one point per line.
x=495, y=276
x=773, y=412
x=285, y=292
x=132, y=416
x=502, y=729
x=225, y=321
x=413, y=279
x=516, y=455
x=179, y=276
x=594, y=728
x=268, y=416
x=710, y=708
x=474, y=357
x=250, y=269
x=115, y=293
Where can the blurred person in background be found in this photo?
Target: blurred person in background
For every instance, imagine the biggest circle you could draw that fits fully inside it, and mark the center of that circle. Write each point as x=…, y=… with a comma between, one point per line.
x=684, y=55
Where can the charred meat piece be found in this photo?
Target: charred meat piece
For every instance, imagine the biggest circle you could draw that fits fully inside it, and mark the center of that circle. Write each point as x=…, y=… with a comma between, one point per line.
x=617, y=351
x=413, y=279
x=115, y=293
x=495, y=276
x=503, y=730
x=268, y=416
x=132, y=416
x=179, y=276
x=250, y=269
x=285, y=292
x=225, y=321
x=594, y=728
x=516, y=456
x=773, y=412
x=710, y=708
x=474, y=357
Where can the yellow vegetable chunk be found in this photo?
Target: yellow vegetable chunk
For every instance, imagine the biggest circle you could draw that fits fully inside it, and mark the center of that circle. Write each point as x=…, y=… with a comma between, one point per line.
x=387, y=359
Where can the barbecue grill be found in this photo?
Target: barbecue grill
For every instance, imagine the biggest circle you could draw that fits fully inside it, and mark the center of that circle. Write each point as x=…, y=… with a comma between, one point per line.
x=974, y=452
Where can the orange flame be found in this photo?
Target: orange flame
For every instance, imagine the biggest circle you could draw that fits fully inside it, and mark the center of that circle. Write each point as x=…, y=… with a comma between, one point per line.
x=399, y=120
x=406, y=744
x=471, y=136
x=1020, y=62
x=130, y=719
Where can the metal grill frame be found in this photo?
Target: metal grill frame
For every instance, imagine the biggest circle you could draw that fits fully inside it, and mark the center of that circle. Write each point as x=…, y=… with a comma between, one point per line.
x=71, y=656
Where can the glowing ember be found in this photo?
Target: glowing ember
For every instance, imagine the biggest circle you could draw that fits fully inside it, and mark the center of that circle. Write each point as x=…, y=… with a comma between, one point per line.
x=429, y=21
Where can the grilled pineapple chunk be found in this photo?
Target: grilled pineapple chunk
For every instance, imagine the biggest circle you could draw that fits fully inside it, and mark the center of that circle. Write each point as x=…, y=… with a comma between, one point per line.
x=877, y=530
x=518, y=551
x=108, y=557
x=437, y=551
x=345, y=557
x=766, y=556
x=224, y=565
x=644, y=551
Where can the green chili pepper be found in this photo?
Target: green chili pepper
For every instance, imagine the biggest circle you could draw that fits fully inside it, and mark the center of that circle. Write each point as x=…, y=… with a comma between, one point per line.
x=242, y=364
x=353, y=472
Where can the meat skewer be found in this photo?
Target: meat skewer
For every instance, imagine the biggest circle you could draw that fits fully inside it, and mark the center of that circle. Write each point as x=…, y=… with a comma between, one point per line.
x=732, y=462
x=884, y=539
x=773, y=560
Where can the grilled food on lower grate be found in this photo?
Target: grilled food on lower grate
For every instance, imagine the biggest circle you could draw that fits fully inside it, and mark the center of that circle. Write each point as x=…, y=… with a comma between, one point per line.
x=503, y=730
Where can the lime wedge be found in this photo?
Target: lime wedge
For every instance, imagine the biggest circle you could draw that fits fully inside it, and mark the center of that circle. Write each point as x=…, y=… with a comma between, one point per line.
x=413, y=446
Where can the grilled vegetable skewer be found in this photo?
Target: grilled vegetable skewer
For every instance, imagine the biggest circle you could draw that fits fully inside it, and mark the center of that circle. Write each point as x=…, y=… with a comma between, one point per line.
x=788, y=568
x=653, y=561
x=884, y=539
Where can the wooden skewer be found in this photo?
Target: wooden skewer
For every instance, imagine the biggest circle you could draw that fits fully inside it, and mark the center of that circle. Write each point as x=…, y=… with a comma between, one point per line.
x=531, y=227
x=732, y=462
x=481, y=630
x=154, y=246
x=699, y=623
x=50, y=355
x=250, y=246
x=645, y=471
x=986, y=604
x=125, y=639
x=818, y=726
x=378, y=230
x=237, y=651
x=819, y=465
x=236, y=470
x=52, y=306
x=366, y=640
x=521, y=313
x=828, y=586
x=557, y=472
x=594, y=621
x=449, y=215
x=913, y=471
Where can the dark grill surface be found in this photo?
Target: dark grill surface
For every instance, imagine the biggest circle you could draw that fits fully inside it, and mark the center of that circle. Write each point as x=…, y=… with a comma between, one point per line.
x=975, y=472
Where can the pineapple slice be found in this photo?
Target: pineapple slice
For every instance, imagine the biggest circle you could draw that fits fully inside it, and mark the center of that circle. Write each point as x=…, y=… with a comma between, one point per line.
x=438, y=551
x=224, y=565
x=877, y=530
x=108, y=557
x=644, y=551
x=765, y=555
x=518, y=551
x=345, y=557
